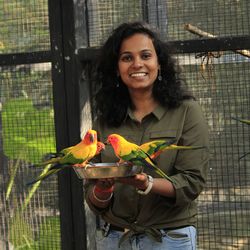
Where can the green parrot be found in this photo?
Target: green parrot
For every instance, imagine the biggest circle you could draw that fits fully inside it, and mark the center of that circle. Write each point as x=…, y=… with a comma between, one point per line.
x=77, y=156
x=131, y=152
x=155, y=148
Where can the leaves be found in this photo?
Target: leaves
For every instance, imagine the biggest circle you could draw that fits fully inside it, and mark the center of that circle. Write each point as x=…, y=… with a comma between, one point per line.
x=23, y=137
x=23, y=134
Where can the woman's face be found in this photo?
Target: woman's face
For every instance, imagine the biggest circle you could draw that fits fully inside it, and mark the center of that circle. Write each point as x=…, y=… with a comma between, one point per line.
x=138, y=63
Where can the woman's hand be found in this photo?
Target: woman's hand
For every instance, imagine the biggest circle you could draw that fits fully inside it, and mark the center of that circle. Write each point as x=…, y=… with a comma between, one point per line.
x=105, y=184
x=139, y=181
x=102, y=192
x=159, y=186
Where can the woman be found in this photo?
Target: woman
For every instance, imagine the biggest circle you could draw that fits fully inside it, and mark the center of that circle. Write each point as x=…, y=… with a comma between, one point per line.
x=142, y=98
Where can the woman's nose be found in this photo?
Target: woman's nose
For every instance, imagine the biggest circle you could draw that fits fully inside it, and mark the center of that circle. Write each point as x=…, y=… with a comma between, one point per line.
x=137, y=62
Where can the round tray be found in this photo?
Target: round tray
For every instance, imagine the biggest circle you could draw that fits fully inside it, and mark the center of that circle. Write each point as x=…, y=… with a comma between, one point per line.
x=107, y=170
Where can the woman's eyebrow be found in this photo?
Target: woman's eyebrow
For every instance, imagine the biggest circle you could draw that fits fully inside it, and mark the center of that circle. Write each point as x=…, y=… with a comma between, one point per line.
x=130, y=52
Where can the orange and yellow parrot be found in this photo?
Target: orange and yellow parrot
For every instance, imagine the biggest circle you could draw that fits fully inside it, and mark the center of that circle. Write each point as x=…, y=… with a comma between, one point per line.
x=131, y=152
x=77, y=156
x=155, y=148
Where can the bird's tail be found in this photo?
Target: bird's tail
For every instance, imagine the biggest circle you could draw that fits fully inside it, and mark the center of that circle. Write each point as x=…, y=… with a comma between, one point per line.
x=151, y=163
x=185, y=147
x=241, y=120
x=52, y=170
x=51, y=161
x=52, y=155
x=170, y=142
x=43, y=176
x=162, y=174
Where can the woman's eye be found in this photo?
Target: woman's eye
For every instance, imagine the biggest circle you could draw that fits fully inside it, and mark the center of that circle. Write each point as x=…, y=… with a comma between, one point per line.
x=146, y=56
x=126, y=58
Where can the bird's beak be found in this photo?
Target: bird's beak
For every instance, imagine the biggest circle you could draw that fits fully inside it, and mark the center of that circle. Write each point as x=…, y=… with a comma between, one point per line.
x=92, y=138
x=106, y=142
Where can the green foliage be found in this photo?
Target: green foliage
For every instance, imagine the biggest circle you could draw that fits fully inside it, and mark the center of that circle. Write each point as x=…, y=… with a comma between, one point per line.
x=49, y=234
x=24, y=136
x=24, y=26
x=22, y=238
x=20, y=233
x=33, y=188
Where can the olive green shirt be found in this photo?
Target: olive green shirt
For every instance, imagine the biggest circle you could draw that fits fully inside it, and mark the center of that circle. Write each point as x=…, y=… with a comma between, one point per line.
x=187, y=168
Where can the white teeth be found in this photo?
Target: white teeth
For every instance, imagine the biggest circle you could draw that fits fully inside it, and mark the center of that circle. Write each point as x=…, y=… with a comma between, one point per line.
x=137, y=74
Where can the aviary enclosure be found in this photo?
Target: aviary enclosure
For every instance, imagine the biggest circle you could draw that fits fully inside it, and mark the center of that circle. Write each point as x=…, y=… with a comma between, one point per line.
x=46, y=52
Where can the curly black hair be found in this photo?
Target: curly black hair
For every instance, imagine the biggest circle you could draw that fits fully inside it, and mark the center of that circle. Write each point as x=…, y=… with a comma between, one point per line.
x=112, y=102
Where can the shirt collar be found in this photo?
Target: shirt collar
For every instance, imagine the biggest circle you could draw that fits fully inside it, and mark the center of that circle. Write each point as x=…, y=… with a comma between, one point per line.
x=158, y=112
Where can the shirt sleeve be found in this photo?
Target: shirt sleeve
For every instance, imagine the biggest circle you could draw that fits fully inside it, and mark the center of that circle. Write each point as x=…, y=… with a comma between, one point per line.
x=191, y=165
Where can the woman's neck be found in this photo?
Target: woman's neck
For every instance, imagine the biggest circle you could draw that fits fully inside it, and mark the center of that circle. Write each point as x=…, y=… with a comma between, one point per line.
x=144, y=104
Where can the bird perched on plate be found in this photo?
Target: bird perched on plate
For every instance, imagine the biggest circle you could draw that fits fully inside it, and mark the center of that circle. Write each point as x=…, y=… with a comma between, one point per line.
x=132, y=153
x=49, y=156
x=78, y=156
x=155, y=148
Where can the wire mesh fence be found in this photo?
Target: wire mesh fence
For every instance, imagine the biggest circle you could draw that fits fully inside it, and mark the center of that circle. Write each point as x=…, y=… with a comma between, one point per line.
x=223, y=91
x=219, y=80
x=27, y=133
x=28, y=216
x=24, y=26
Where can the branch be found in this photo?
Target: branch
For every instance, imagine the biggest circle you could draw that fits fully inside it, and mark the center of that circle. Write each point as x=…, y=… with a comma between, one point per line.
x=195, y=30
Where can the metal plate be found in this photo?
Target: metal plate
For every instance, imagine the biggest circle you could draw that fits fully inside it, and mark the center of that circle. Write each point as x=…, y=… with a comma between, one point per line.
x=107, y=170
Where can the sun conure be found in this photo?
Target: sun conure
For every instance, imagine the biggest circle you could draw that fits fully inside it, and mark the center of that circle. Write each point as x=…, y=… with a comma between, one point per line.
x=131, y=152
x=77, y=156
x=155, y=148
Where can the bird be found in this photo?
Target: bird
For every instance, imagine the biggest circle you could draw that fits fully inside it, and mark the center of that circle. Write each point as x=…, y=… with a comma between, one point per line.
x=49, y=156
x=78, y=156
x=156, y=147
x=130, y=152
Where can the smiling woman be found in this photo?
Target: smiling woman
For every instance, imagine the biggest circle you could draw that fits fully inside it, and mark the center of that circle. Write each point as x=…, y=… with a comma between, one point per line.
x=138, y=63
x=142, y=98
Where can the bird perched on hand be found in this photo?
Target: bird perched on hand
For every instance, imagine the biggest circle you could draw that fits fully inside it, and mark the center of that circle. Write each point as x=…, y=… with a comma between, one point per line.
x=78, y=156
x=155, y=148
x=131, y=152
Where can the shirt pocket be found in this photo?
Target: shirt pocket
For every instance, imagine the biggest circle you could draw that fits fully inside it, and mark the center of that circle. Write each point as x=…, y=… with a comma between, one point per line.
x=163, y=135
x=166, y=159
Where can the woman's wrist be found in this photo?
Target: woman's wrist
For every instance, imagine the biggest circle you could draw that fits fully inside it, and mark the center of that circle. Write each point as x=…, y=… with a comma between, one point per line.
x=104, y=190
x=102, y=195
x=148, y=188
